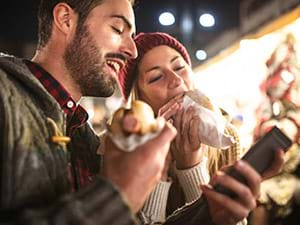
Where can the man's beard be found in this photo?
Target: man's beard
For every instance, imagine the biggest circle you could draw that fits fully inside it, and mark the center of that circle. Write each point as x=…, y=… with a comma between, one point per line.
x=85, y=63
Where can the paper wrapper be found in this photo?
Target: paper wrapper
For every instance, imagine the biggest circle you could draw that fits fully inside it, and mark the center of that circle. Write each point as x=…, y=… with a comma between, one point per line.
x=131, y=142
x=212, y=122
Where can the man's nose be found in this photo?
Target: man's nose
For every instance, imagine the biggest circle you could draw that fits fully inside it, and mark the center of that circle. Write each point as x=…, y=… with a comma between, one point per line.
x=129, y=48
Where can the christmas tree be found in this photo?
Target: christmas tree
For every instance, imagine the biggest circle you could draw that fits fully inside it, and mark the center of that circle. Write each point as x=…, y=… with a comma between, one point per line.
x=280, y=107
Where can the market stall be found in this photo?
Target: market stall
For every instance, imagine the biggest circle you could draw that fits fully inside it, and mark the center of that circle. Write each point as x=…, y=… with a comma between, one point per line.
x=233, y=78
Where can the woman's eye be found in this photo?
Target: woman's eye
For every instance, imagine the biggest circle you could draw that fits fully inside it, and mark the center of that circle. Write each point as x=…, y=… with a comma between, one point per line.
x=154, y=79
x=119, y=31
x=179, y=68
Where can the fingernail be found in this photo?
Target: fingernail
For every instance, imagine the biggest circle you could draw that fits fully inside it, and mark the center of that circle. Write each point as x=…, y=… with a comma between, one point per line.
x=206, y=186
x=171, y=121
x=240, y=163
x=220, y=173
x=174, y=106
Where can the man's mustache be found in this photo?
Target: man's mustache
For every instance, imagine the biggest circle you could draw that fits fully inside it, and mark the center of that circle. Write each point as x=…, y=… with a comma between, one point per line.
x=116, y=55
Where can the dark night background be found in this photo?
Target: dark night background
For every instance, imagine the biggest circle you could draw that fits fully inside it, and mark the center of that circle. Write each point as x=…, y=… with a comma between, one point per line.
x=18, y=22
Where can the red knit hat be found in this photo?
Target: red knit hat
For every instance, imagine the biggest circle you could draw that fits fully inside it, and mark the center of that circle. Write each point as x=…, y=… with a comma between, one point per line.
x=144, y=43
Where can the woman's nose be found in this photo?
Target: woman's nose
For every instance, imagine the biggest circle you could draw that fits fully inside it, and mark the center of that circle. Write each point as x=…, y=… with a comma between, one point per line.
x=175, y=79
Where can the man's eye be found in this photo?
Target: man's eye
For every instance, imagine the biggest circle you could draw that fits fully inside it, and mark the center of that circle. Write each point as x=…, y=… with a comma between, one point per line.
x=154, y=79
x=119, y=31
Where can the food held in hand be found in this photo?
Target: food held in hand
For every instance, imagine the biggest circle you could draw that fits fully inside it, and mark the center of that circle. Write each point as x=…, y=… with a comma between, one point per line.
x=139, y=120
x=213, y=125
x=200, y=99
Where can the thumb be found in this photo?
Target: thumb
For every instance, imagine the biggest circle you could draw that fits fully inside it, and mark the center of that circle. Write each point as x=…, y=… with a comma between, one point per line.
x=161, y=143
x=130, y=123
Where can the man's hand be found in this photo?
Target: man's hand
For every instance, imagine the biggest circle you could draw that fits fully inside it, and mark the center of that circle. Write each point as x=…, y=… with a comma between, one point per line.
x=225, y=210
x=136, y=173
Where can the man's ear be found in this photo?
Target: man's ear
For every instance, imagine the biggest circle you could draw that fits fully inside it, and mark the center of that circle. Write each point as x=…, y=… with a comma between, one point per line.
x=64, y=18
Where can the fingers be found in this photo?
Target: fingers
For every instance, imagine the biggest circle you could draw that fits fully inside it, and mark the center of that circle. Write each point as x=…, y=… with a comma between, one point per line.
x=244, y=194
x=189, y=129
x=252, y=177
x=178, y=125
x=276, y=165
x=162, y=142
x=178, y=120
x=167, y=111
x=226, y=168
x=219, y=202
x=186, y=119
x=170, y=109
x=130, y=124
x=194, y=133
x=144, y=165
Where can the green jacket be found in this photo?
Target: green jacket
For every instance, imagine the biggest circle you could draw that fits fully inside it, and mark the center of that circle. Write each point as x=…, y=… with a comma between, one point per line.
x=34, y=184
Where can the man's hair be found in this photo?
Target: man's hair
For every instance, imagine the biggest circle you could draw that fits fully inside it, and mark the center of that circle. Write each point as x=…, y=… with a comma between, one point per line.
x=45, y=15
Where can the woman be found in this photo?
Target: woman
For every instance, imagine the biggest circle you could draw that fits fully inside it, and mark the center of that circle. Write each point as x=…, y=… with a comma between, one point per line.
x=159, y=76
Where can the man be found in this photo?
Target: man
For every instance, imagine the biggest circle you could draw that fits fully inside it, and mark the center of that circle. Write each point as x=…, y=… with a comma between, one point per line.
x=49, y=167
x=82, y=45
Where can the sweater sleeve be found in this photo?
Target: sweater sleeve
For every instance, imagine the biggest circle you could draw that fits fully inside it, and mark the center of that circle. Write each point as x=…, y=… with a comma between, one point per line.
x=243, y=222
x=100, y=203
x=191, y=179
x=154, y=209
x=194, y=213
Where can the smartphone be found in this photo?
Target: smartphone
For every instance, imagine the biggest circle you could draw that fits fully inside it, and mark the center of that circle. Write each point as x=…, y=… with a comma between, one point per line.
x=260, y=156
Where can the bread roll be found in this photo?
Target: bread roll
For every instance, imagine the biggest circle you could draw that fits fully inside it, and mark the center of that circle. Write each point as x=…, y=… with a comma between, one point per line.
x=200, y=99
x=142, y=112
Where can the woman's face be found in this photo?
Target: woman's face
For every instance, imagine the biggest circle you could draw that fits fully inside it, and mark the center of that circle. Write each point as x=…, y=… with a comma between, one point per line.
x=163, y=74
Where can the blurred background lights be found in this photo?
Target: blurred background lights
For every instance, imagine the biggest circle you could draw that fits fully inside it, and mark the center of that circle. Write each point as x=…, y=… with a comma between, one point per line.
x=166, y=19
x=207, y=20
x=287, y=76
x=201, y=55
x=187, y=24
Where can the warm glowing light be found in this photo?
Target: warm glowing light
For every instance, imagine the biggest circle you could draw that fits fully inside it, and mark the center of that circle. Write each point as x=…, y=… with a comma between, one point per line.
x=207, y=20
x=166, y=19
x=201, y=55
x=287, y=76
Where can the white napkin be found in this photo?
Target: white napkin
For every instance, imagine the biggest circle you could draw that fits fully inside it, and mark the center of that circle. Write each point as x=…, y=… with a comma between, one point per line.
x=131, y=142
x=212, y=122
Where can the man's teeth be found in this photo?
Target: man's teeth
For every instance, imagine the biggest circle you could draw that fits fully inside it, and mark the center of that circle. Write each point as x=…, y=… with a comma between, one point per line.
x=113, y=64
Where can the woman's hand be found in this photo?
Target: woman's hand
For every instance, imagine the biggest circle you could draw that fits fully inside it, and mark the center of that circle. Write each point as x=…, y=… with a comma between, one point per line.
x=186, y=146
x=171, y=108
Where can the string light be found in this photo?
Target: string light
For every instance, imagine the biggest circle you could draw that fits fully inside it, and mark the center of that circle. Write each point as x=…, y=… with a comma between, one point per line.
x=207, y=20
x=166, y=19
x=201, y=55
